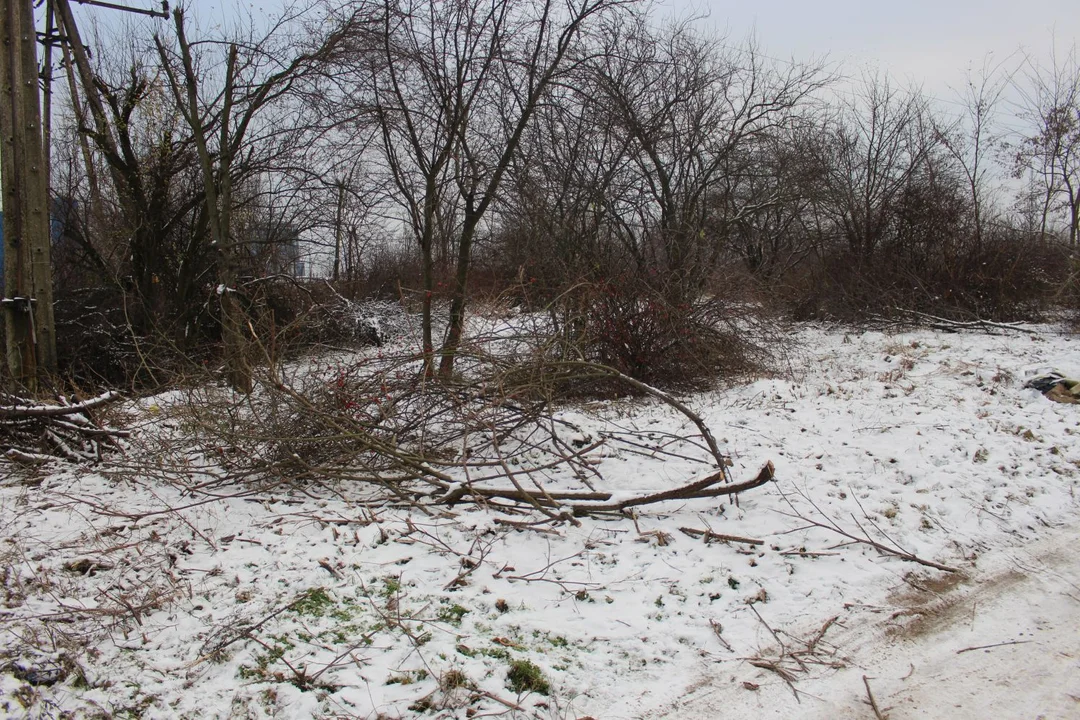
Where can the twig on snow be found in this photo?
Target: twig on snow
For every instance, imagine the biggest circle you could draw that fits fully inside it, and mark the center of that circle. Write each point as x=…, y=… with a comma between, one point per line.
x=718, y=630
x=832, y=525
x=1000, y=644
x=873, y=702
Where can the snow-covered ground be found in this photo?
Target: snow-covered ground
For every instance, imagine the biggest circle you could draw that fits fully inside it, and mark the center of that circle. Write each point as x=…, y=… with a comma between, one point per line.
x=137, y=598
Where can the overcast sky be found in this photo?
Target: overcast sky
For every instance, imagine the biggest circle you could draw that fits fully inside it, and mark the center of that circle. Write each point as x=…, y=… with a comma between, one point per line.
x=925, y=43
x=929, y=43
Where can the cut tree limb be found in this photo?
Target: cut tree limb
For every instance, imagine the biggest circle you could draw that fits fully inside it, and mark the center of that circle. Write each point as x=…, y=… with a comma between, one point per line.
x=700, y=489
x=995, y=645
x=940, y=323
x=693, y=417
x=581, y=502
x=828, y=523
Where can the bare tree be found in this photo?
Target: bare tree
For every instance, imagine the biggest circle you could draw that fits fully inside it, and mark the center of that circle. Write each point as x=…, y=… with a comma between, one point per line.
x=452, y=88
x=784, y=184
x=1050, y=153
x=556, y=223
x=254, y=77
x=972, y=141
x=872, y=151
x=695, y=113
x=127, y=119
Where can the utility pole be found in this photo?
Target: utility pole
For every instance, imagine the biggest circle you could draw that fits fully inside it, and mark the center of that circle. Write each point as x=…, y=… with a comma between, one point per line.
x=27, y=302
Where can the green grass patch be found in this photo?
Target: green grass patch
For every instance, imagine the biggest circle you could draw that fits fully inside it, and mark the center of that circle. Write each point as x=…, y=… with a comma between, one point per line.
x=452, y=614
x=279, y=645
x=391, y=586
x=313, y=603
x=524, y=676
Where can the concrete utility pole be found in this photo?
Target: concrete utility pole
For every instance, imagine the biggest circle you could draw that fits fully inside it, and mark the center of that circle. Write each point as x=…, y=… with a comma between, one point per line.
x=27, y=303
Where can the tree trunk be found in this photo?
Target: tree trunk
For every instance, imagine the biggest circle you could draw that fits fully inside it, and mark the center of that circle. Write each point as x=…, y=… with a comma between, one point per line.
x=456, y=327
x=338, y=231
x=234, y=336
x=427, y=239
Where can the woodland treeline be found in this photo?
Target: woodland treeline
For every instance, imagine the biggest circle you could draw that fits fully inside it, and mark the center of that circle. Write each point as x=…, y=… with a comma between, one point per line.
x=648, y=183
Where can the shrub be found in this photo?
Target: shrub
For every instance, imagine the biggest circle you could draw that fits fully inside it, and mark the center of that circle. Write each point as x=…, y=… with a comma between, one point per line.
x=683, y=342
x=1006, y=277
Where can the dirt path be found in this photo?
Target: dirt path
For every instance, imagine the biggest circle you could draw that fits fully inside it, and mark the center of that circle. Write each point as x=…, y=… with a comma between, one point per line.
x=1024, y=603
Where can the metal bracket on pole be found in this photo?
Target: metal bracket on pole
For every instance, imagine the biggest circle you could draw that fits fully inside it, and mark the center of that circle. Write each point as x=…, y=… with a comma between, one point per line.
x=163, y=13
x=18, y=304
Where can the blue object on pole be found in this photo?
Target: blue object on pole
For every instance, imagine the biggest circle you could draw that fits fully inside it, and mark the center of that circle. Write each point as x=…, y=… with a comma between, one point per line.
x=63, y=210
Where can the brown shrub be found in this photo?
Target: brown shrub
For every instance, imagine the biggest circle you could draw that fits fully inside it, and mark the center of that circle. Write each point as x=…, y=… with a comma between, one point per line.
x=628, y=325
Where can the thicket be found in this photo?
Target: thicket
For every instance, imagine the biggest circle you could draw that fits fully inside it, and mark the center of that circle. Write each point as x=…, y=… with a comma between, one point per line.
x=663, y=195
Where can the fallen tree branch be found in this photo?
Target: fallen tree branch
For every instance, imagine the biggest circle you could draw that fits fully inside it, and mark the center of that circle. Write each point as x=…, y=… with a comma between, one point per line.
x=940, y=323
x=687, y=492
x=718, y=630
x=995, y=645
x=709, y=535
x=460, y=491
x=693, y=417
x=17, y=407
x=490, y=436
x=793, y=660
x=27, y=458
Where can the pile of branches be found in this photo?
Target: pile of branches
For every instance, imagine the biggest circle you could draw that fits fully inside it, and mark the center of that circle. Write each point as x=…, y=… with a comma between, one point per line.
x=494, y=435
x=305, y=314
x=33, y=433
